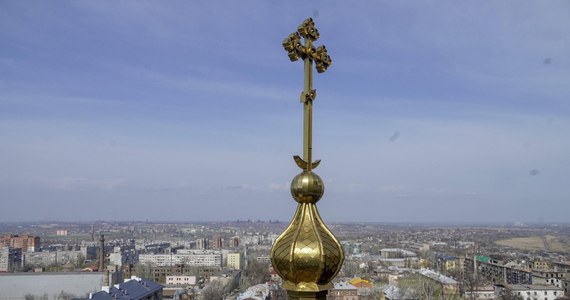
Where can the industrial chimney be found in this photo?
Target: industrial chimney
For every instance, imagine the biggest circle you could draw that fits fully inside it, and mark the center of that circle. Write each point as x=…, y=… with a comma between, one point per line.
x=101, y=253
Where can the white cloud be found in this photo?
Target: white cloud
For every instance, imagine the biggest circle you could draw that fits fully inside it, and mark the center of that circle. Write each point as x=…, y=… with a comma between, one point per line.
x=279, y=186
x=69, y=183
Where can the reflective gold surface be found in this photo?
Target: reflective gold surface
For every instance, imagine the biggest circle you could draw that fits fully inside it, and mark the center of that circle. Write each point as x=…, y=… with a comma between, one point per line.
x=309, y=54
x=303, y=164
x=307, y=255
x=307, y=187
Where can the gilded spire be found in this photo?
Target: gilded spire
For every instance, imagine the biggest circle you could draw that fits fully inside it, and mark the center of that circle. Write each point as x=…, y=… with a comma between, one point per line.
x=307, y=255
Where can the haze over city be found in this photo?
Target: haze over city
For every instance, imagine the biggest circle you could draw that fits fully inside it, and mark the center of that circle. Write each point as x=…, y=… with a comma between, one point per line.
x=430, y=112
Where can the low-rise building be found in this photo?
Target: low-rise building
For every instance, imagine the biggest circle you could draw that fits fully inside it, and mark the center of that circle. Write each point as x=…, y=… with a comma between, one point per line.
x=256, y=292
x=134, y=288
x=481, y=293
x=450, y=286
x=407, y=262
x=263, y=259
x=181, y=280
x=396, y=253
x=550, y=277
x=392, y=292
x=529, y=291
x=343, y=291
x=161, y=274
x=360, y=283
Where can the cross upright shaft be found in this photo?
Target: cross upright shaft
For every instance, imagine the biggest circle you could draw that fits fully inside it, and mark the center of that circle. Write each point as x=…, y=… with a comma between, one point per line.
x=308, y=53
x=308, y=111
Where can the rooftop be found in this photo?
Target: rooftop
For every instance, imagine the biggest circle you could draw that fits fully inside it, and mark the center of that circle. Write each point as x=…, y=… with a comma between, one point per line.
x=529, y=287
x=437, y=277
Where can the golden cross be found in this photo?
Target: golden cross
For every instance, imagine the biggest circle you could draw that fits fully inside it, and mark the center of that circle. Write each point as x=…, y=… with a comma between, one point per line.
x=295, y=49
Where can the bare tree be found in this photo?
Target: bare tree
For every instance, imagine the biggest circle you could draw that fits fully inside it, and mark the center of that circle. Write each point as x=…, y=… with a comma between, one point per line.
x=508, y=294
x=279, y=293
x=254, y=273
x=350, y=269
x=32, y=297
x=79, y=261
x=424, y=288
x=214, y=291
x=470, y=283
x=143, y=270
x=233, y=284
x=428, y=289
x=64, y=296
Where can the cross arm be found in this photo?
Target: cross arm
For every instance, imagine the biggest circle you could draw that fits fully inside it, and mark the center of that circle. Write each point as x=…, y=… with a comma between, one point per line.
x=322, y=59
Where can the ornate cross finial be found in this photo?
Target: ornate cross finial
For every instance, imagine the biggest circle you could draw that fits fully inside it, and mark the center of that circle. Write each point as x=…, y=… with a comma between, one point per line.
x=307, y=255
x=295, y=49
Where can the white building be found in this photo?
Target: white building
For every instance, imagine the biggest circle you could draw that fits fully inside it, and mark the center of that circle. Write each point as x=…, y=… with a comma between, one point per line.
x=181, y=280
x=263, y=259
x=530, y=291
x=123, y=256
x=407, y=262
x=117, y=258
x=396, y=253
x=256, y=292
x=190, y=258
x=250, y=240
x=51, y=258
x=449, y=285
x=481, y=293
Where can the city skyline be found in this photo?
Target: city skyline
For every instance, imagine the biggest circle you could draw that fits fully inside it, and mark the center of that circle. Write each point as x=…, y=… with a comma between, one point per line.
x=430, y=112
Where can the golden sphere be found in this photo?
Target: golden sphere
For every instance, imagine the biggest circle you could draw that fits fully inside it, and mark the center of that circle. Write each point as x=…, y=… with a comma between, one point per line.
x=307, y=187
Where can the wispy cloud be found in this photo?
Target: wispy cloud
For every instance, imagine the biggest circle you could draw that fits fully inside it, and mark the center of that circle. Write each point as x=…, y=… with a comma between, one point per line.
x=229, y=87
x=240, y=187
x=279, y=186
x=69, y=183
x=182, y=101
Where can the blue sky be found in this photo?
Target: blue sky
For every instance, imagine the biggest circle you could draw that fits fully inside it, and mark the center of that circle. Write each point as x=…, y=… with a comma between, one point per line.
x=188, y=110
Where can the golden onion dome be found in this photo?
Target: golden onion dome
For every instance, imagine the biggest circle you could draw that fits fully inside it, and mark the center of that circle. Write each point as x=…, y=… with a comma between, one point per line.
x=307, y=255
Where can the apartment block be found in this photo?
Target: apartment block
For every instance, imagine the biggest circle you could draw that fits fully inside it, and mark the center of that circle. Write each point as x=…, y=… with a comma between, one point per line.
x=28, y=243
x=10, y=259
